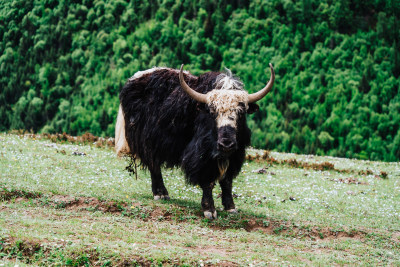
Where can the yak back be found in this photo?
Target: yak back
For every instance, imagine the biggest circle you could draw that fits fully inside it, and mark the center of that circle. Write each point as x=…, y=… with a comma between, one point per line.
x=160, y=116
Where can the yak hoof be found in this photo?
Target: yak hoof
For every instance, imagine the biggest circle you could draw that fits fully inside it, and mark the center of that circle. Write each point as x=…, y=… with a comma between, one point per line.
x=210, y=215
x=158, y=197
x=233, y=211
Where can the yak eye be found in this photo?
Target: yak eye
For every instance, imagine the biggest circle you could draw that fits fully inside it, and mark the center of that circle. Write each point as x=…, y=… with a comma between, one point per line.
x=231, y=118
x=241, y=108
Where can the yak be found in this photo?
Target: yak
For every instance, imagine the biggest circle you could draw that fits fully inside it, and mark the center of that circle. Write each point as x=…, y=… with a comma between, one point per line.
x=169, y=117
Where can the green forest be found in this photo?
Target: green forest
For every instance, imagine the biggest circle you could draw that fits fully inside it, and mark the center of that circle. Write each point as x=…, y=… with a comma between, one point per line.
x=337, y=64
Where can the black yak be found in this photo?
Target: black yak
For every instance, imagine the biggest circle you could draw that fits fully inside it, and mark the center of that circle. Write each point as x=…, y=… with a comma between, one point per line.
x=173, y=118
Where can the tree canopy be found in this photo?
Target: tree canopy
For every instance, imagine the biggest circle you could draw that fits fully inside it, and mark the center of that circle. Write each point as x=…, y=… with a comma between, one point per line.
x=337, y=65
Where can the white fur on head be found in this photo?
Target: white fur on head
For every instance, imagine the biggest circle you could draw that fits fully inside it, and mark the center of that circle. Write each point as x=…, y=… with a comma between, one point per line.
x=227, y=81
x=225, y=103
x=225, y=98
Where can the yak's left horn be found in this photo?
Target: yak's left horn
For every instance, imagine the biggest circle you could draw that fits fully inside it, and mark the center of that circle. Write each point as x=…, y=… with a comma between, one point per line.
x=192, y=93
x=260, y=94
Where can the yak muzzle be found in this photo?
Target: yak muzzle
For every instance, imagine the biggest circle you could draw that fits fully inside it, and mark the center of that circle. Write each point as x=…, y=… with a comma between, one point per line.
x=226, y=140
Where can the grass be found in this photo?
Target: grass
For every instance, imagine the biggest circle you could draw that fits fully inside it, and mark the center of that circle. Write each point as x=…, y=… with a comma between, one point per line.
x=60, y=207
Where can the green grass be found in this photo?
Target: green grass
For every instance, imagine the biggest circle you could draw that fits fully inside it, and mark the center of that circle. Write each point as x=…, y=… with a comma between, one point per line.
x=57, y=208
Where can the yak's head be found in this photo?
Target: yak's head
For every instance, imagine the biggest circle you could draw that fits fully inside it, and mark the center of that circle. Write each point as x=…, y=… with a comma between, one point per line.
x=229, y=103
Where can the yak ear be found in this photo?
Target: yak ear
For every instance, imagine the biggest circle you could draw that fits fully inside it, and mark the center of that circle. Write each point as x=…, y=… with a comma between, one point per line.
x=253, y=107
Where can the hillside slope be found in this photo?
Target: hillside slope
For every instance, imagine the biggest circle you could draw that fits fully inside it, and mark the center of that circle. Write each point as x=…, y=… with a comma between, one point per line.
x=75, y=204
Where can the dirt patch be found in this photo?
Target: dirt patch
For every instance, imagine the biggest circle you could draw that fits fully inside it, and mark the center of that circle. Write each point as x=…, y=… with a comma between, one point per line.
x=294, y=163
x=26, y=248
x=85, y=203
x=259, y=157
x=86, y=138
x=91, y=204
x=312, y=232
x=265, y=157
x=8, y=194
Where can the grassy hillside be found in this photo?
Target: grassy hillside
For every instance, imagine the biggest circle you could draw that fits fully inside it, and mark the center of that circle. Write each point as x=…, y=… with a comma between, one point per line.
x=62, y=64
x=70, y=203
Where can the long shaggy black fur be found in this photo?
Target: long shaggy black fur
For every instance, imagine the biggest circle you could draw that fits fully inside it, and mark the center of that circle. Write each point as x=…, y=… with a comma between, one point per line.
x=164, y=125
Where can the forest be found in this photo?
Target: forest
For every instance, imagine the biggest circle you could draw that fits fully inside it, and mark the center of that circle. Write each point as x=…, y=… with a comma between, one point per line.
x=337, y=63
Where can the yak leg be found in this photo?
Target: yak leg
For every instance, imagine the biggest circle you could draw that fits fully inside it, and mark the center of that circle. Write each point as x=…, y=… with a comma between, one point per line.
x=157, y=184
x=207, y=202
x=227, y=199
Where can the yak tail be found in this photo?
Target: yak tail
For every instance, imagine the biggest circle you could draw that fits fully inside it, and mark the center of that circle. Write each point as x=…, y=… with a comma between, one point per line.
x=121, y=146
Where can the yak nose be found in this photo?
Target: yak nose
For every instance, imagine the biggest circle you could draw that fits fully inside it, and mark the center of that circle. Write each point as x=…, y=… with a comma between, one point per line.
x=226, y=144
x=226, y=139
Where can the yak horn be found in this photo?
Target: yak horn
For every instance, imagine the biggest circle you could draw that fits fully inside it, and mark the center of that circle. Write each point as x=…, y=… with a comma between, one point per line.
x=260, y=94
x=192, y=93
